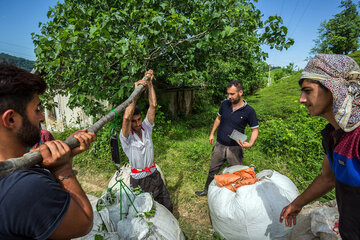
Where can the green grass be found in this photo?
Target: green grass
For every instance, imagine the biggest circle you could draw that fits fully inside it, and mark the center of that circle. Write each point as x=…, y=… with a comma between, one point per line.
x=279, y=100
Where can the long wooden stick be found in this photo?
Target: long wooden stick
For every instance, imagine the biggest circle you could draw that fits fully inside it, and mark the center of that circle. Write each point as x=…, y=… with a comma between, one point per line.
x=33, y=158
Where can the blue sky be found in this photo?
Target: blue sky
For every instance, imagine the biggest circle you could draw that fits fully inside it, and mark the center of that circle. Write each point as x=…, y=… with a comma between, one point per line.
x=302, y=18
x=19, y=18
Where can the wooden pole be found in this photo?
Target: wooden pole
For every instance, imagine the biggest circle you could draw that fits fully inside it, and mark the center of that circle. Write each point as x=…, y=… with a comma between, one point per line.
x=33, y=158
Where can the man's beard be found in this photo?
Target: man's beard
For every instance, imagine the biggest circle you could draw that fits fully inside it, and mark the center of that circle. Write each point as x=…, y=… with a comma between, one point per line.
x=28, y=134
x=235, y=101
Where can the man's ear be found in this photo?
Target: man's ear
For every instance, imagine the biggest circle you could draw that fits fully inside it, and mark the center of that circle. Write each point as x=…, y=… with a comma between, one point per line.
x=9, y=118
x=241, y=92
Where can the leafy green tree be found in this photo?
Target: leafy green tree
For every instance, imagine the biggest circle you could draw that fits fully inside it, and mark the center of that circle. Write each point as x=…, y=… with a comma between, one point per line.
x=95, y=49
x=278, y=74
x=340, y=35
x=290, y=68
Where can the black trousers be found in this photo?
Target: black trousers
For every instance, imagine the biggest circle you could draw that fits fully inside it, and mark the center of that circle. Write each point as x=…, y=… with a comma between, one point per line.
x=155, y=185
x=348, y=200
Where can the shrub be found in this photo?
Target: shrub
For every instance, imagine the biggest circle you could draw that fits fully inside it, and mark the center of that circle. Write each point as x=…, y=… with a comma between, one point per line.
x=295, y=142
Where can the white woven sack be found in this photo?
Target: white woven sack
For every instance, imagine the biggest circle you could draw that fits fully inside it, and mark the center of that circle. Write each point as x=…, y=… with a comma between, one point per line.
x=323, y=221
x=253, y=211
x=134, y=225
x=98, y=224
x=125, y=176
x=163, y=224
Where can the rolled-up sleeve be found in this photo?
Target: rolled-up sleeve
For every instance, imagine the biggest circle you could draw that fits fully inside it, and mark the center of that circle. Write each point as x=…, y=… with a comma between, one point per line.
x=125, y=142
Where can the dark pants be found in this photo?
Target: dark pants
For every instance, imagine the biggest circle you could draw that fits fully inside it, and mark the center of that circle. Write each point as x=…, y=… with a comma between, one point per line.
x=221, y=153
x=155, y=185
x=348, y=200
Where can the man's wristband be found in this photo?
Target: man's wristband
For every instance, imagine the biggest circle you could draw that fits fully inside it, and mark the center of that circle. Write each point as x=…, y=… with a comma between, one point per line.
x=68, y=176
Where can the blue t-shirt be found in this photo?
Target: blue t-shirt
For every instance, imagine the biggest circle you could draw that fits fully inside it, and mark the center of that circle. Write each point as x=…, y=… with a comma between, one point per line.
x=32, y=204
x=234, y=120
x=344, y=156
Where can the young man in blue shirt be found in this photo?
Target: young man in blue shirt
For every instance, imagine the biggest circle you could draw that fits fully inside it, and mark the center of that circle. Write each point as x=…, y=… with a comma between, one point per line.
x=234, y=113
x=330, y=86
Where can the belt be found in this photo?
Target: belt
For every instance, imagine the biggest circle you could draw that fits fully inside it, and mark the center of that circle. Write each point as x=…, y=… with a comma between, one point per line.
x=135, y=170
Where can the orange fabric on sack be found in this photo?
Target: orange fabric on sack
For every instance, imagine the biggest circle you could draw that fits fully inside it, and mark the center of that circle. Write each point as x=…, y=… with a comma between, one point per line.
x=233, y=181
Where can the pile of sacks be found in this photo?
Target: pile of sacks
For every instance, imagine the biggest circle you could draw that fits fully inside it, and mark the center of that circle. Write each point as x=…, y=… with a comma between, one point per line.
x=252, y=212
x=140, y=217
x=318, y=221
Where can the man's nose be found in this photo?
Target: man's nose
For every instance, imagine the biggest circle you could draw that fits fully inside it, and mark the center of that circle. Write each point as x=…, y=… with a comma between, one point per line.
x=302, y=99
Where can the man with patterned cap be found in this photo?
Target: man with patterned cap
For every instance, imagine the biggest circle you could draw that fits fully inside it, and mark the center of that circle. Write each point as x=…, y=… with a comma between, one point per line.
x=330, y=87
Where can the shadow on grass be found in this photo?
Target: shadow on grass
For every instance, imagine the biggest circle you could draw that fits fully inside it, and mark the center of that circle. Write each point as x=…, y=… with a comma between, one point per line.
x=175, y=193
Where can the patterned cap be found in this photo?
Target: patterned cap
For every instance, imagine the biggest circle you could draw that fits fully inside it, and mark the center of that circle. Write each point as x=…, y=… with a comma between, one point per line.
x=341, y=75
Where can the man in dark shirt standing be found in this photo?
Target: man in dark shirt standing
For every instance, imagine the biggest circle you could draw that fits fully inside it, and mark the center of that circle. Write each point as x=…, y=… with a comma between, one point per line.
x=234, y=113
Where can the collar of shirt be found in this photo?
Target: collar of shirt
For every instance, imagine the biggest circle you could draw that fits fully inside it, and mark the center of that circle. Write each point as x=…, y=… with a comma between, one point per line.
x=137, y=136
x=132, y=131
x=234, y=110
x=329, y=131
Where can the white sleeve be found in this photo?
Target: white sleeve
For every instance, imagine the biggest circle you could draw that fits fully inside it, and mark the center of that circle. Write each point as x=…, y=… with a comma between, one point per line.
x=125, y=142
x=147, y=125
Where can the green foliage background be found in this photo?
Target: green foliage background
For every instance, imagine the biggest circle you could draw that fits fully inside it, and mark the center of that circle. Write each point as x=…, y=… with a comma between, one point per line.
x=94, y=50
x=340, y=34
x=356, y=56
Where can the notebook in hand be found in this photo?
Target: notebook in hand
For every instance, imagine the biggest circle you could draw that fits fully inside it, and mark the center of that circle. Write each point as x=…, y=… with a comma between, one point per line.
x=236, y=135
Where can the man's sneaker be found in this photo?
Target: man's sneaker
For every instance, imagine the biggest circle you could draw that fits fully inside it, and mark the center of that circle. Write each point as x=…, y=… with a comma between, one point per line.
x=201, y=193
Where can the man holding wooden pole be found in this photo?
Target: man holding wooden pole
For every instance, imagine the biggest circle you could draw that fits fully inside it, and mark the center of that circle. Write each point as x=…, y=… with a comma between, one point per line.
x=44, y=201
x=136, y=141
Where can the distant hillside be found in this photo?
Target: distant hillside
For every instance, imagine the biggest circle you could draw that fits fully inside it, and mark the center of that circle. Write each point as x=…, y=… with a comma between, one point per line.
x=20, y=62
x=356, y=56
x=280, y=100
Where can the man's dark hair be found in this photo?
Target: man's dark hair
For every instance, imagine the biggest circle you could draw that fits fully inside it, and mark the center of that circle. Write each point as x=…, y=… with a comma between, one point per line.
x=137, y=110
x=17, y=87
x=236, y=84
x=312, y=81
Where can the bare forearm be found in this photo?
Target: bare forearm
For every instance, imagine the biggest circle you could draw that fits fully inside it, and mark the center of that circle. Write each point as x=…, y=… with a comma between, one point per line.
x=321, y=185
x=78, y=219
x=318, y=188
x=129, y=111
x=254, y=135
x=152, y=104
x=77, y=194
x=126, y=125
x=216, y=125
x=152, y=96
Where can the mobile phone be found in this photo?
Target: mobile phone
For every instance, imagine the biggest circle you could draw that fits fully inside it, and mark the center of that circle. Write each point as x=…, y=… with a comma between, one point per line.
x=236, y=135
